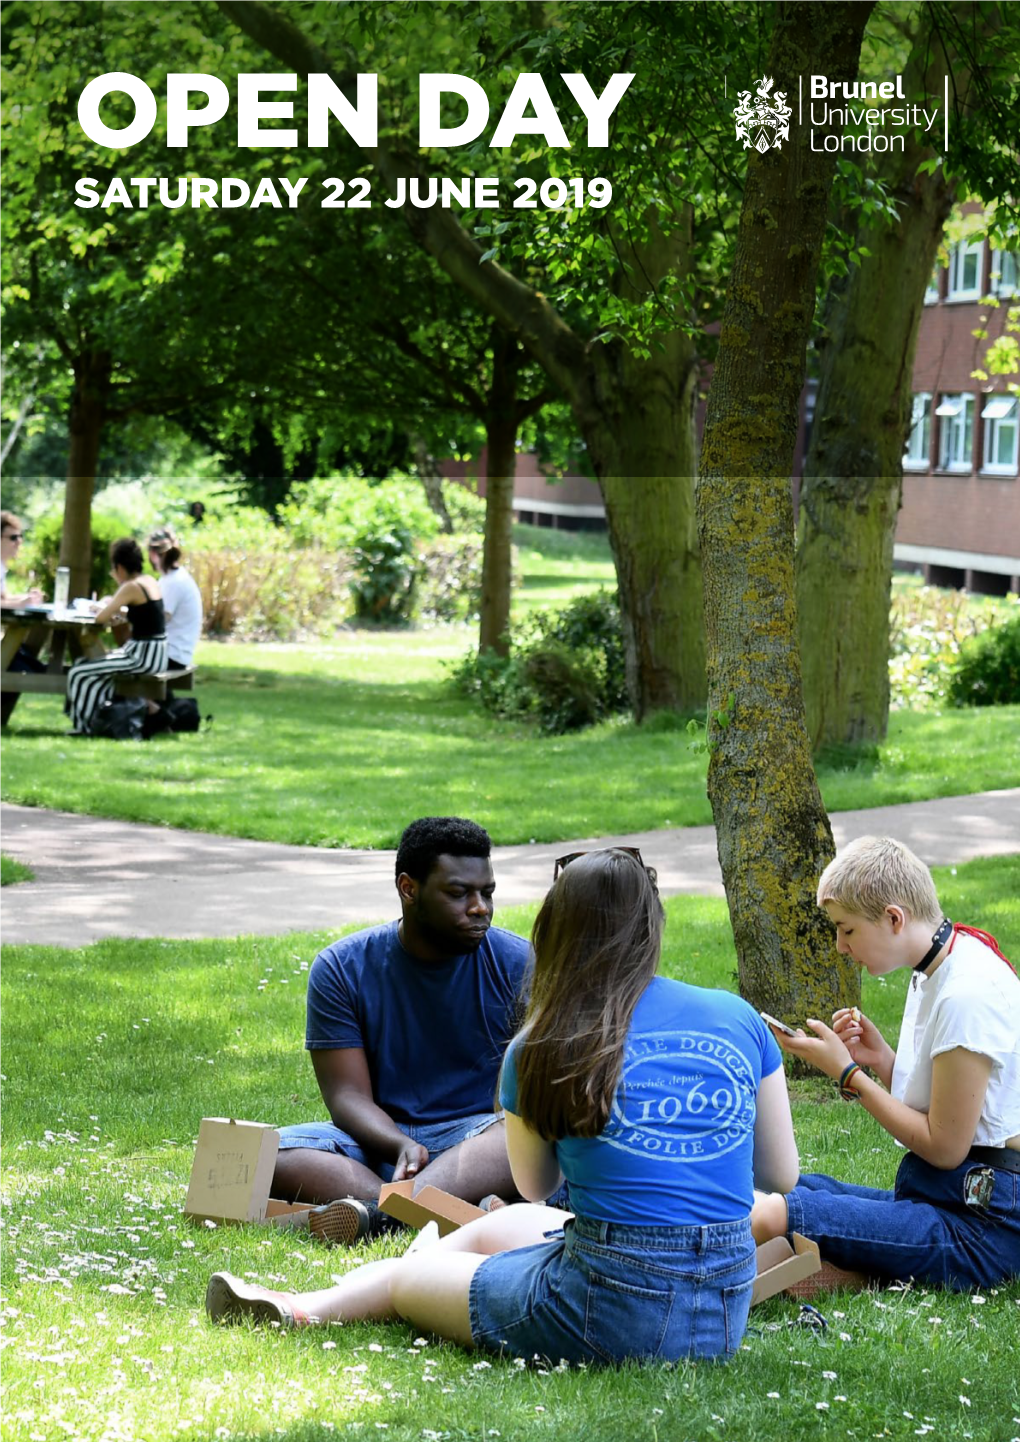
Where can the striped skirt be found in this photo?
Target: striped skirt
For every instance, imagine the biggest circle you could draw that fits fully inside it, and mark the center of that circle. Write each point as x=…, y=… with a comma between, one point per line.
x=90, y=683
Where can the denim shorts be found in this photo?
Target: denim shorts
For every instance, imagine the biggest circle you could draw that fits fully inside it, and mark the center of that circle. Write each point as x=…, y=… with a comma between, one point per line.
x=957, y=1228
x=602, y=1292
x=436, y=1137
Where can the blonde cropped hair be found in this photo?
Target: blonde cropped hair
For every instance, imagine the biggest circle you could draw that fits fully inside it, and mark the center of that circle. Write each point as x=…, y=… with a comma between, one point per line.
x=874, y=872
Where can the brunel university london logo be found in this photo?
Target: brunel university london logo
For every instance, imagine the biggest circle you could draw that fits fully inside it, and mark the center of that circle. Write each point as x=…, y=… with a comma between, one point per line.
x=765, y=121
x=687, y=1096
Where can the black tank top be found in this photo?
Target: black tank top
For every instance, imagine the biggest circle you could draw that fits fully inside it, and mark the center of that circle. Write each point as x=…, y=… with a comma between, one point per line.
x=147, y=621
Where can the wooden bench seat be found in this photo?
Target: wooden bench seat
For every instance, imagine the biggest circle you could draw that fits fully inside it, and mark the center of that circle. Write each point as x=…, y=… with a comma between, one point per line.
x=155, y=687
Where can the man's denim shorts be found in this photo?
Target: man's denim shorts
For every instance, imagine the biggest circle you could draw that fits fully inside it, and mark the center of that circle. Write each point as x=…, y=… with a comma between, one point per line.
x=436, y=1137
x=603, y=1293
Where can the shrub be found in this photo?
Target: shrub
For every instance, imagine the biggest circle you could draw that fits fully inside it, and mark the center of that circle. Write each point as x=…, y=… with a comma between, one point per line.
x=256, y=584
x=465, y=507
x=42, y=553
x=987, y=672
x=591, y=625
x=384, y=574
x=338, y=511
x=565, y=686
x=927, y=631
x=565, y=668
x=449, y=578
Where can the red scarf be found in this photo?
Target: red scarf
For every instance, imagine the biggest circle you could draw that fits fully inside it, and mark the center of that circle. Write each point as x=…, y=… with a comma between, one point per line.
x=984, y=936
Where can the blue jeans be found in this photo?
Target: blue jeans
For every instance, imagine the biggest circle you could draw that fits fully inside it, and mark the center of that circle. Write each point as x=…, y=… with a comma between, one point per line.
x=957, y=1229
x=601, y=1292
x=436, y=1137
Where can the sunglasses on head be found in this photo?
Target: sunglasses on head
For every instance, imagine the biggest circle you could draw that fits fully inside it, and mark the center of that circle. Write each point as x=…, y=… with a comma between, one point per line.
x=562, y=862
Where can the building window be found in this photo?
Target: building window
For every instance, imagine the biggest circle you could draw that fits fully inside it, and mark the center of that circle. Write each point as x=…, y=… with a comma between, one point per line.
x=931, y=295
x=1004, y=272
x=965, y=270
x=917, y=456
x=1002, y=426
x=956, y=433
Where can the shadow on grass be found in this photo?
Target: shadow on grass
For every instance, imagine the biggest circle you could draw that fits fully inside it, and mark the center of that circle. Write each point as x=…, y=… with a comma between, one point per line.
x=863, y=757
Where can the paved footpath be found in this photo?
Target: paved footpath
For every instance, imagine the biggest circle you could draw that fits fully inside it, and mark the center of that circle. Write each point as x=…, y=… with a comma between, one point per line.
x=97, y=878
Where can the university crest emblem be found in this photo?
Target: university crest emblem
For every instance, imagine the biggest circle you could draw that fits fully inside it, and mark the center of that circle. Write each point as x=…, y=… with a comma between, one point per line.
x=765, y=121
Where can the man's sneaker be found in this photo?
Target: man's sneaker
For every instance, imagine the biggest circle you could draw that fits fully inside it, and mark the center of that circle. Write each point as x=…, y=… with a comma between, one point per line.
x=349, y=1220
x=228, y=1299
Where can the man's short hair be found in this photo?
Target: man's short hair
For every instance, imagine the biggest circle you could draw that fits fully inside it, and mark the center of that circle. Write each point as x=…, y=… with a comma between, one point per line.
x=874, y=872
x=9, y=521
x=433, y=836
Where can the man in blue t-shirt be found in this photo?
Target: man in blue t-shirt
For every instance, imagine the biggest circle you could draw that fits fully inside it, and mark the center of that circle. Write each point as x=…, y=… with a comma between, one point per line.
x=407, y=1024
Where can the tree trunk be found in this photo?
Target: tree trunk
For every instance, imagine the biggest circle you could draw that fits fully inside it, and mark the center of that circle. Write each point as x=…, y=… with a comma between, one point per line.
x=432, y=482
x=501, y=444
x=773, y=833
x=636, y=414
x=853, y=473
x=652, y=531
x=85, y=426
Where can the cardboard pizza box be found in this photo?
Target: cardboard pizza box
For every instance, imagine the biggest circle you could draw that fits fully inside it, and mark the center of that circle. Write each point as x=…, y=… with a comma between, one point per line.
x=430, y=1205
x=232, y=1173
x=781, y=1266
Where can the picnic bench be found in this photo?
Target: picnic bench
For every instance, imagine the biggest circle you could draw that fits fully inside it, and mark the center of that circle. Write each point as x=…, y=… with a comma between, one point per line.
x=66, y=636
x=155, y=687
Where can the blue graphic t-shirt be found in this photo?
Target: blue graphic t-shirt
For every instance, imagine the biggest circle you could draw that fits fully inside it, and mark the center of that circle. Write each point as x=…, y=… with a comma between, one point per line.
x=433, y=1036
x=678, y=1146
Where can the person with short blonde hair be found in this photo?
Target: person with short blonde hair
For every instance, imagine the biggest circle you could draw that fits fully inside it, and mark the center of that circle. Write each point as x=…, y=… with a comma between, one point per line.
x=874, y=871
x=949, y=1093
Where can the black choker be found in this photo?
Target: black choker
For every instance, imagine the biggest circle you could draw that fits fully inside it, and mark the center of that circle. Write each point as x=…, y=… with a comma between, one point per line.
x=938, y=941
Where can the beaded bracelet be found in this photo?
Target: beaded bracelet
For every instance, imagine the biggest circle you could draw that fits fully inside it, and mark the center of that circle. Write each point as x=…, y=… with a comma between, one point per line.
x=848, y=1093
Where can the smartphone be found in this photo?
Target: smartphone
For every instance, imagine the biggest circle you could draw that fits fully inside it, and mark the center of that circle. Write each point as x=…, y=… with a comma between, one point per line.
x=779, y=1025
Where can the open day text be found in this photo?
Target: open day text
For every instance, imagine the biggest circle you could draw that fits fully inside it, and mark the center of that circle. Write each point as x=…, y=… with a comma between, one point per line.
x=470, y=193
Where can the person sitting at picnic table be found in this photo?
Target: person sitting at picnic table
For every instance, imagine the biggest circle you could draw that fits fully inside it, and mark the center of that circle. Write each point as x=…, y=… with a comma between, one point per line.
x=949, y=1093
x=91, y=683
x=182, y=600
x=407, y=1024
x=12, y=533
x=660, y=1102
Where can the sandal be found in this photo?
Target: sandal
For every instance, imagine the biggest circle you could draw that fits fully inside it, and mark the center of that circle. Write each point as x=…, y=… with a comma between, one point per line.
x=228, y=1300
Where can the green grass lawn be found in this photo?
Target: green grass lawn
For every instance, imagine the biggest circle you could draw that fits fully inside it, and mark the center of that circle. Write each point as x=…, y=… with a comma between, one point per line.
x=112, y=1055
x=343, y=743
x=555, y=566
x=12, y=871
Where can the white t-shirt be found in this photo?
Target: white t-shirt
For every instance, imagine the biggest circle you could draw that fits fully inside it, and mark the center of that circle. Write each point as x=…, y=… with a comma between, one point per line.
x=971, y=1001
x=182, y=602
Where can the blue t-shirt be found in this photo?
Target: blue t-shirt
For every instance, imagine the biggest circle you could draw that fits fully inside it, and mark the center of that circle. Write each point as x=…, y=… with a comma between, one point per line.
x=433, y=1035
x=677, y=1148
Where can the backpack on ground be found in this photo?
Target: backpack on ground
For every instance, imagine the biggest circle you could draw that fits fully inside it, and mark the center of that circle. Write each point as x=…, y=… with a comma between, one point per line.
x=183, y=712
x=121, y=719
x=179, y=713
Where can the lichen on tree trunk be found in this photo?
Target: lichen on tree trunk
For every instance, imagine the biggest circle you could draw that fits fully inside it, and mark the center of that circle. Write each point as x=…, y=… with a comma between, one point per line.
x=773, y=833
x=853, y=472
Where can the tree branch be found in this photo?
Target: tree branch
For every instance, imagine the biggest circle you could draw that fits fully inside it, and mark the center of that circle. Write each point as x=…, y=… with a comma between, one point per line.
x=519, y=309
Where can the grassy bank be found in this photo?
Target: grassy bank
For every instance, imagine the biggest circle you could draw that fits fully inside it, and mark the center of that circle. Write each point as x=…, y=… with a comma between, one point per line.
x=341, y=744
x=103, y=1280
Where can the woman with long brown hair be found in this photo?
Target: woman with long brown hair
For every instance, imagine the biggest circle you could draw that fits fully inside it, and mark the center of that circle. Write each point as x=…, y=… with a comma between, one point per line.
x=661, y=1103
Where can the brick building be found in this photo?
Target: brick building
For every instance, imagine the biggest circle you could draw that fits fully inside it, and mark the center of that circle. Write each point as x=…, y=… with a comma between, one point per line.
x=960, y=520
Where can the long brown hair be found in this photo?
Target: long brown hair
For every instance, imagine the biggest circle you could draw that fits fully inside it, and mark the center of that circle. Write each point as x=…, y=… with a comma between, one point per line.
x=596, y=942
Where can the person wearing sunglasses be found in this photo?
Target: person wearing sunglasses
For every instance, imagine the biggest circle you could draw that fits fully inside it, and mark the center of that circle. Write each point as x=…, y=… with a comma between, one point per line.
x=662, y=1104
x=12, y=533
